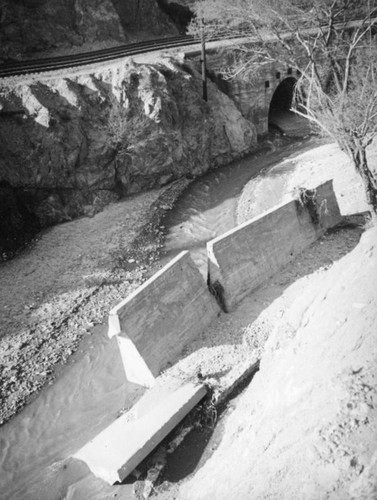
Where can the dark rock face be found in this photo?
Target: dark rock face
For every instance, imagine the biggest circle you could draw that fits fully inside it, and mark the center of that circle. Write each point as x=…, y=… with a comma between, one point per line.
x=75, y=144
x=144, y=16
x=181, y=15
x=17, y=223
x=32, y=27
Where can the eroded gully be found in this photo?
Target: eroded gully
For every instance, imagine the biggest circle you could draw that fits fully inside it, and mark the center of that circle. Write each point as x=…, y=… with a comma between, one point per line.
x=35, y=446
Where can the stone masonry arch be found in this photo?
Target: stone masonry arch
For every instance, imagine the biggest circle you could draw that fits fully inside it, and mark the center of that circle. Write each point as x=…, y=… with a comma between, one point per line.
x=254, y=95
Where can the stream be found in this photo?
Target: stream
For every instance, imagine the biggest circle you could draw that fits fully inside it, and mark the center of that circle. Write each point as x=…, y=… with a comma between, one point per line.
x=208, y=207
x=35, y=446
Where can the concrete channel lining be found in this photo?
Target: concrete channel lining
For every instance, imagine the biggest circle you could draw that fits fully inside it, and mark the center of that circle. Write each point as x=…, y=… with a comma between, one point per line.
x=156, y=322
x=244, y=257
x=118, y=450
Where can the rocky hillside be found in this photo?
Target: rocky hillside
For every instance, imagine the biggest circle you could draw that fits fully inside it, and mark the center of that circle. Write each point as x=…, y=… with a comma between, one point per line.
x=71, y=145
x=38, y=27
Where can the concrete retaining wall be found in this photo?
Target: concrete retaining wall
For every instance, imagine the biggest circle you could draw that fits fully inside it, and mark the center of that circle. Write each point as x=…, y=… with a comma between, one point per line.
x=154, y=324
x=246, y=256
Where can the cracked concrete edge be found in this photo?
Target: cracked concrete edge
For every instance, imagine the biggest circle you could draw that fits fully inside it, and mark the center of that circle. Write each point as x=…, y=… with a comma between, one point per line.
x=114, y=453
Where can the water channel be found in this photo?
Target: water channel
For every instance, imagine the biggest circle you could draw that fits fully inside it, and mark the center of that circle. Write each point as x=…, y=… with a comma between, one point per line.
x=35, y=446
x=208, y=207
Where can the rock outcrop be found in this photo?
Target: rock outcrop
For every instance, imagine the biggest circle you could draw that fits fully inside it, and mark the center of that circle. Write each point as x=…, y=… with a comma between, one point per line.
x=35, y=27
x=74, y=144
x=17, y=224
x=178, y=12
x=145, y=18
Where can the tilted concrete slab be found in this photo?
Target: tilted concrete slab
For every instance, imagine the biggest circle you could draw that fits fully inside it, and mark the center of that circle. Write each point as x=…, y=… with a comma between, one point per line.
x=243, y=258
x=161, y=317
x=134, y=365
x=116, y=451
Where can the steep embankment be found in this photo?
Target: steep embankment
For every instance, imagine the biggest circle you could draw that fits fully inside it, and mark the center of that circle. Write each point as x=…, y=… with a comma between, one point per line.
x=306, y=428
x=307, y=170
x=31, y=28
x=69, y=146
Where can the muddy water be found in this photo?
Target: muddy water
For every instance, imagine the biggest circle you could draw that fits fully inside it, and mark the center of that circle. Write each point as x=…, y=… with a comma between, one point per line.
x=208, y=207
x=36, y=445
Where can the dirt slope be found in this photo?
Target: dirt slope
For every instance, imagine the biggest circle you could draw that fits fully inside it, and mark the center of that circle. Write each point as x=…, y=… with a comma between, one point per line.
x=307, y=170
x=306, y=428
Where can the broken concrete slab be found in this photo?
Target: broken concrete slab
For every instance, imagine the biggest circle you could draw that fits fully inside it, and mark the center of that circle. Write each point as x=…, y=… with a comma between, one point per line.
x=116, y=451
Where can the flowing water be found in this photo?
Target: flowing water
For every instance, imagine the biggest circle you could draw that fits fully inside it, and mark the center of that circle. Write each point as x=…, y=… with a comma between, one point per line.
x=36, y=445
x=208, y=207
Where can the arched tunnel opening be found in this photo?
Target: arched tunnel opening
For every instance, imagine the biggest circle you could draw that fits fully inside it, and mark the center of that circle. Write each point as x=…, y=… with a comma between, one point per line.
x=280, y=116
x=283, y=95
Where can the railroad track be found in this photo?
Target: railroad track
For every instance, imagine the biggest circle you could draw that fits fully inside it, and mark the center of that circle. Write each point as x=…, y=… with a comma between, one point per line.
x=55, y=63
x=17, y=68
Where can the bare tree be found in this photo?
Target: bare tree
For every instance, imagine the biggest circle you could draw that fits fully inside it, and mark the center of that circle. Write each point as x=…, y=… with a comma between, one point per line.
x=333, y=45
